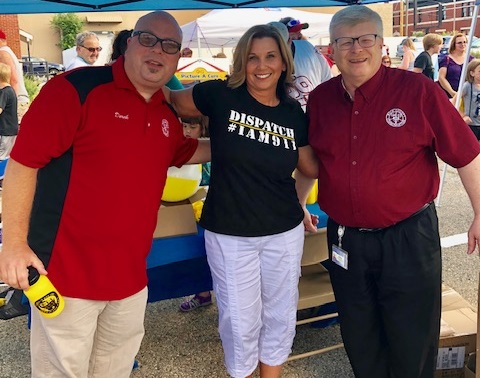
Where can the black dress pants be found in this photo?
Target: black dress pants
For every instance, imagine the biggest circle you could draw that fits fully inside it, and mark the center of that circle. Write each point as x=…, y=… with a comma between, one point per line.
x=389, y=298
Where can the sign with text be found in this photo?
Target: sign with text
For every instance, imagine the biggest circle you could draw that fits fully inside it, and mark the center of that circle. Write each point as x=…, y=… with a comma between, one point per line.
x=202, y=70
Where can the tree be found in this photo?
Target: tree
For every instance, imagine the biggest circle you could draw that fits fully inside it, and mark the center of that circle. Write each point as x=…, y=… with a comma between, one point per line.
x=68, y=25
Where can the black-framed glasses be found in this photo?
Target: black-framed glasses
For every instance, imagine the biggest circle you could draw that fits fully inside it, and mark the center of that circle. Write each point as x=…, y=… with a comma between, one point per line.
x=92, y=49
x=461, y=43
x=147, y=39
x=365, y=41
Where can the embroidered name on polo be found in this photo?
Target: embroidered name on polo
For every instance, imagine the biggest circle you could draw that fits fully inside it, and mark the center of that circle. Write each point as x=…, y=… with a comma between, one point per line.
x=121, y=116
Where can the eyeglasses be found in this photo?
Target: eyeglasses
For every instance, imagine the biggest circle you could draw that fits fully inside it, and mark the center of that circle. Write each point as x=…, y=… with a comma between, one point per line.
x=293, y=23
x=365, y=41
x=92, y=49
x=146, y=39
x=461, y=43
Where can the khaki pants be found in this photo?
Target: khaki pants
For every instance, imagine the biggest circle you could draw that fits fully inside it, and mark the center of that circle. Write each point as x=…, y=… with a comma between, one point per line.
x=89, y=338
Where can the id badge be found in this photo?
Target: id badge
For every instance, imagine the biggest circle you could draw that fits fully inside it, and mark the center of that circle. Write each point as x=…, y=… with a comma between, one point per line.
x=340, y=257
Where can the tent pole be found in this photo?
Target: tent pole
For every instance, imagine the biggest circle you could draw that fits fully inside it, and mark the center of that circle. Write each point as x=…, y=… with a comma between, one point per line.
x=460, y=85
x=198, y=42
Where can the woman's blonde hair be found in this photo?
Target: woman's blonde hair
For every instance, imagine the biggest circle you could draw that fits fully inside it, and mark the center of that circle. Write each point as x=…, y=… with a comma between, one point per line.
x=453, y=42
x=471, y=67
x=244, y=46
x=409, y=43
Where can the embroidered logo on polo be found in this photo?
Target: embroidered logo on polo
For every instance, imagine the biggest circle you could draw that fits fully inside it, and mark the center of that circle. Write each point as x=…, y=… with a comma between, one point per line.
x=396, y=117
x=252, y=127
x=165, y=127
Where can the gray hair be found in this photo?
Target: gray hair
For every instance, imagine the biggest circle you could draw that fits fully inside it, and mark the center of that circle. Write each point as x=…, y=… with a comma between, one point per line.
x=353, y=15
x=81, y=37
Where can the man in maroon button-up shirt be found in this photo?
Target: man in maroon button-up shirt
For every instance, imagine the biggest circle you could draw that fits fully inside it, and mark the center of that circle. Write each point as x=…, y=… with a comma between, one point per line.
x=376, y=132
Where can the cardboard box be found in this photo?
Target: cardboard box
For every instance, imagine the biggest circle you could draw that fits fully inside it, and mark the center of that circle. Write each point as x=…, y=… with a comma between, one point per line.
x=315, y=248
x=451, y=300
x=478, y=331
x=177, y=218
x=470, y=367
x=454, y=349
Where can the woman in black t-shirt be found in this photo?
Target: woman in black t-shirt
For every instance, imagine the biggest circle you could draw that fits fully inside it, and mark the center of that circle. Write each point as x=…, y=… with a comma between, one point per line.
x=252, y=216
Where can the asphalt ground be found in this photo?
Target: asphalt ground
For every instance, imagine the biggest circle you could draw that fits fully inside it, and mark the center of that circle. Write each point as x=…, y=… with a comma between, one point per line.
x=187, y=345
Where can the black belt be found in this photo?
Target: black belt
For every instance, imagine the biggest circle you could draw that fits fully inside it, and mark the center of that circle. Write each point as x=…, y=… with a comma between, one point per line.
x=424, y=207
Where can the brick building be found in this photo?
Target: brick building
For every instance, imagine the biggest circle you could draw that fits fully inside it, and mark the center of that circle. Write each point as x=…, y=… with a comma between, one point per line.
x=9, y=25
x=444, y=16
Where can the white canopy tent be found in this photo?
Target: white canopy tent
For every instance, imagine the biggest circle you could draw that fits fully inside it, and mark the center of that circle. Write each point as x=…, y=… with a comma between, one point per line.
x=224, y=27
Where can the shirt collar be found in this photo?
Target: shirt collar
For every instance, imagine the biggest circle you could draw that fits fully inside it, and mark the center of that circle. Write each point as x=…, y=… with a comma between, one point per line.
x=368, y=89
x=122, y=81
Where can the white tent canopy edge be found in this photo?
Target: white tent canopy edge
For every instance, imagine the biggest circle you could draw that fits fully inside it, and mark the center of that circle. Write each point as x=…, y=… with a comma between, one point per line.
x=224, y=27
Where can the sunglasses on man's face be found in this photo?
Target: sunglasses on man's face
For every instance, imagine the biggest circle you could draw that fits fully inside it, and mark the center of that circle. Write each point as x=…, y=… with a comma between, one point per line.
x=92, y=49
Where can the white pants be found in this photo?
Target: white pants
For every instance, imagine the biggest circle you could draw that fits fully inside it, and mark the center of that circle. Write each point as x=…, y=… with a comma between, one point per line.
x=255, y=280
x=89, y=338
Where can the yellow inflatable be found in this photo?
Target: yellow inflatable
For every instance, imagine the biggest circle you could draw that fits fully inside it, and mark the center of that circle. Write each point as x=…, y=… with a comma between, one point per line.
x=312, y=197
x=182, y=182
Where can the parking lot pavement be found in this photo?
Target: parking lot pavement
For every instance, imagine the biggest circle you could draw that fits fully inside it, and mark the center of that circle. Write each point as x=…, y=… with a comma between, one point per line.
x=187, y=345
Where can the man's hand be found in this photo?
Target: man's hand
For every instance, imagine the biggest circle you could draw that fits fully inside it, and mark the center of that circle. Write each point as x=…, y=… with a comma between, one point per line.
x=474, y=236
x=14, y=265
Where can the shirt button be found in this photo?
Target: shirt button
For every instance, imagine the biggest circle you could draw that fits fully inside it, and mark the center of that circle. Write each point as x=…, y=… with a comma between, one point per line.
x=148, y=124
x=356, y=112
x=354, y=137
x=354, y=162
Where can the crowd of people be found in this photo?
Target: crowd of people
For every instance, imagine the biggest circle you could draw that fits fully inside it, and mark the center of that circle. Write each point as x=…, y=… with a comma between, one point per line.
x=270, y=136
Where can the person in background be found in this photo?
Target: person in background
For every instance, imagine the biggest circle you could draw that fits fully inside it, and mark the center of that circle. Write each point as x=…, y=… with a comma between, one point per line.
x=195, y=128
x=119, y=45
x=432, y=43
x=252, y=217
x=186, y=52
x=378, y=176
x=471, y=97
x=311, y=67
x=450, y=66
x=8, y=57
x=386, y=61
x=88, y=49
x=63, y=210
x=408, y=58
x=8, y=113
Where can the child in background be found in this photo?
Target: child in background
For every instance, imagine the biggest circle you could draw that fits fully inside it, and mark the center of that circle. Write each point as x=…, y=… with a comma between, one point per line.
x=197, y=128
x=471, y=97
x=8, y=113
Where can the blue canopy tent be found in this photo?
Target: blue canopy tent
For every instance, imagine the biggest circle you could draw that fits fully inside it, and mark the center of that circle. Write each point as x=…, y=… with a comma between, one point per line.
x=64, y=6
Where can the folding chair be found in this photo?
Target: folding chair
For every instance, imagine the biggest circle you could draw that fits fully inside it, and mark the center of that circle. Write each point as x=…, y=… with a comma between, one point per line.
x=314, y=287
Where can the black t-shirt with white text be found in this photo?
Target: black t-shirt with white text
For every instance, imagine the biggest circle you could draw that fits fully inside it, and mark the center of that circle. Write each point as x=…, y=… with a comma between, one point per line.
x=254, y=152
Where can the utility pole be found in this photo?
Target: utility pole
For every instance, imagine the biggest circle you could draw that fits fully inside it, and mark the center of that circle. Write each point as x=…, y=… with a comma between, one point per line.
x=401, y=17
x=406, y=18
